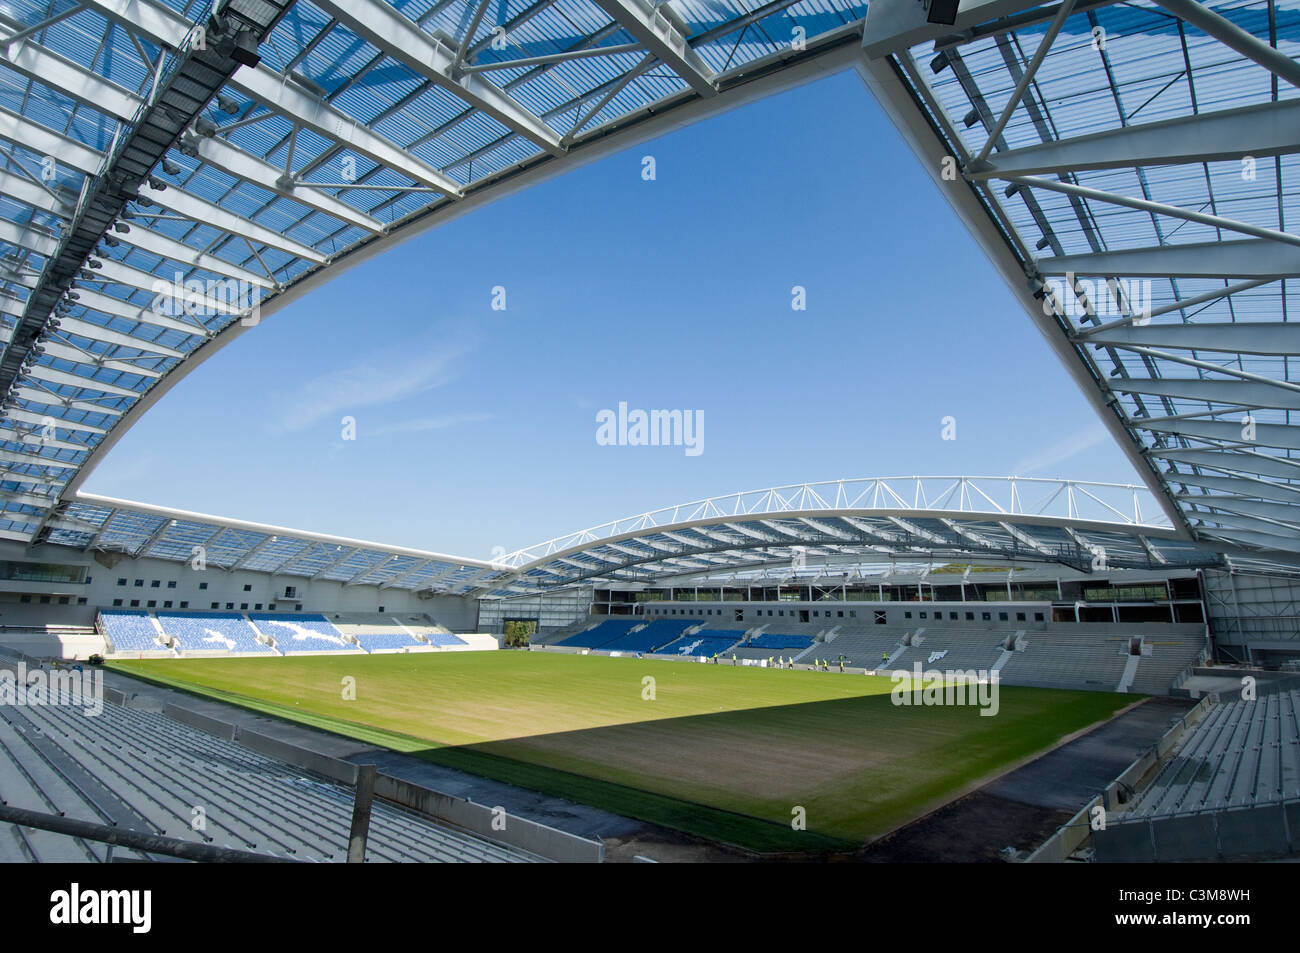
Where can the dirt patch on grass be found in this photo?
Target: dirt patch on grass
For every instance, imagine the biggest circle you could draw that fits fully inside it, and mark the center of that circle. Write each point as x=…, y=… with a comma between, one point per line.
x=971, y=829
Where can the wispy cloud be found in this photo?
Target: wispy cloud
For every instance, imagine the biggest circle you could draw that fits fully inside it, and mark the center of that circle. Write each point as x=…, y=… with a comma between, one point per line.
x=1059, y=452
x=422, y=424
x=379, y=378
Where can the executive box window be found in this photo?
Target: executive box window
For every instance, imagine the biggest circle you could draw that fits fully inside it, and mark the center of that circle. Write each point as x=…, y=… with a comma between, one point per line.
x=243, y=606
x=135, y=603
x=214, y=605
x=121, y=582
x=117, y=602
x=139, y=583
x=171, y=583
x=248, y=587
x=167, y=603
x=184, y=604
x=151, y=604
x=155, y=584
x=204, y=585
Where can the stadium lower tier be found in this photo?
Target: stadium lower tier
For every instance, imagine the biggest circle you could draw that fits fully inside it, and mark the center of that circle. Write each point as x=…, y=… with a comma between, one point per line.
x=138, y=633
x=1095, y=656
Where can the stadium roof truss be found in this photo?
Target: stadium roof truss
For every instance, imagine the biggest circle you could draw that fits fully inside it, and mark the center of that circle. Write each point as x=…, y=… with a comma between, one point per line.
x=841, y=528
x=1130, y=169
x=102, y=525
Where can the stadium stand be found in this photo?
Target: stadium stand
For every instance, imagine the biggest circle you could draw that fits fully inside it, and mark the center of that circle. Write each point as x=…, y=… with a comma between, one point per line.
x=606, y=631
x=777, y=641
x=703, y=644
x=1230, y=789
x=1244, y=752
x=212, y=631
x=381, y=641
x=655, y=635
x=142, y=771
x=302, y=632
x=129, y=631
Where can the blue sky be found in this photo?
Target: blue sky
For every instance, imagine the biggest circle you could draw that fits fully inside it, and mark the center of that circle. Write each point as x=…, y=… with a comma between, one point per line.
x=476, y=428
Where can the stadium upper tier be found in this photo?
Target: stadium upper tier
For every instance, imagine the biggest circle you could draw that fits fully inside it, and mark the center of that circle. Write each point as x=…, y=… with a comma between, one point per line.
x=176, y=173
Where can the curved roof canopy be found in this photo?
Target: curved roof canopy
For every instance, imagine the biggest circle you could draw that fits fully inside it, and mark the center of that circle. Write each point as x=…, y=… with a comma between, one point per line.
x=169, y=177
x=807, y=530
x=1131, y=169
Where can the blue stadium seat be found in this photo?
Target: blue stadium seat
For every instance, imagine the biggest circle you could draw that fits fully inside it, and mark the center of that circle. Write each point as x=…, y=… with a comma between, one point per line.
x=301, y=632
x=212, y=631
x=130, y=631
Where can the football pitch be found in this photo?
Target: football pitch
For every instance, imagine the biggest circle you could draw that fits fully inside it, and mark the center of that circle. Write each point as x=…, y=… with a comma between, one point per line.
x=736, y=755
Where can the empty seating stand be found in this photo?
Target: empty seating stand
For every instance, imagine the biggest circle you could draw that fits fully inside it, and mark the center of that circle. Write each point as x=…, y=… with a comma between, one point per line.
x=606, y=631
x=129, y=631
x=302, y=632
x=654, y=636
x=703, y=644
x=144, y=772
x=212, y=631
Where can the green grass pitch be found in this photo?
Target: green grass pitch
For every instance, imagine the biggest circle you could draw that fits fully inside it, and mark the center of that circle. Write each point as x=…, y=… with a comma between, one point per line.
x=721, y=752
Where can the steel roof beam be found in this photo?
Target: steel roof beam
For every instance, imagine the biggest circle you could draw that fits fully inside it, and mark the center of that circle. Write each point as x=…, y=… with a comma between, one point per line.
x=662, y=32
x=277, y=92
x=402, y=40
x=1239, y=485
x=208, y=213
x=112, y=270
x=36, y=395
x=1271, y=129
x=1154, y=208
x=43, y=420
x=1244, y=337
x=97, y=333
x=49, y=374
x=117, y=308
x=1245, y=393
x=1249, y=258
x=30, y=237
x=40, y=140
x=71, y=353
x=232, y=160
x=174, y=250
x=1231, y=461
x=1234, y=37
x=31, y=459
x=22, y=189
x=1268, y=435
x=96, y=92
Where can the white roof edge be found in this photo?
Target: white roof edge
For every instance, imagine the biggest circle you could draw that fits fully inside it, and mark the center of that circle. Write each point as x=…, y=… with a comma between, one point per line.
x=168, y=513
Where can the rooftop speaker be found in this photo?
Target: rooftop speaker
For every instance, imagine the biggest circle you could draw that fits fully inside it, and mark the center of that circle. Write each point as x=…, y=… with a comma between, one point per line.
x=942, y=11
